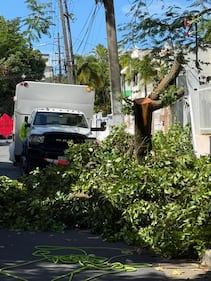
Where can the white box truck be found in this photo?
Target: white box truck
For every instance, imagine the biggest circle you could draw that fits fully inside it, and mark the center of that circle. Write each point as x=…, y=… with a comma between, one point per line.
x=54, y=114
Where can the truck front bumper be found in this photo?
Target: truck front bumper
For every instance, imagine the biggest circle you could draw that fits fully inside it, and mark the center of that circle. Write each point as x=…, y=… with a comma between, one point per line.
x=40, y=157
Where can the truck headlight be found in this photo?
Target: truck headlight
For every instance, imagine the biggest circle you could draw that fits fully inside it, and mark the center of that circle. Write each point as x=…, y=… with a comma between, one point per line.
x=36, y=139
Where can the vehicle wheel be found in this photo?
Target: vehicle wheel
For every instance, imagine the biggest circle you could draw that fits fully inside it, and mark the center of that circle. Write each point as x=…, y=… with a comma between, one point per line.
x=26, y=165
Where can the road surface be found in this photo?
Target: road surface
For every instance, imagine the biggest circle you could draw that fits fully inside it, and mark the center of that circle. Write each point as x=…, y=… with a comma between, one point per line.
x=6, y=166
x=18, y=259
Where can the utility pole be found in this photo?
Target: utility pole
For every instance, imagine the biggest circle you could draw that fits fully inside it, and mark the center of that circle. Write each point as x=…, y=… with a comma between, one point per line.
x=72, y=64
x=66, y=46
x=113, y=60
x=197, y=46
x=59, y=56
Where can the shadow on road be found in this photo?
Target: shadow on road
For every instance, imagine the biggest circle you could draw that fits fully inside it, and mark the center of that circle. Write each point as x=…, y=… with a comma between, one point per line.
x=6, y=166
x=46, y=256
x=43, y=256
x=9, y=170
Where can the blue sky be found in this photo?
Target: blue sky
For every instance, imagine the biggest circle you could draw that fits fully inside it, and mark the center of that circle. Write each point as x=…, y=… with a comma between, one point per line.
x=87, y=31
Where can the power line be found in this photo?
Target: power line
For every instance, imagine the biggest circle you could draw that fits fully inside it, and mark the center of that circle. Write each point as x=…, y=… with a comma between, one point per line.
x=88, y=25
x=79, y=43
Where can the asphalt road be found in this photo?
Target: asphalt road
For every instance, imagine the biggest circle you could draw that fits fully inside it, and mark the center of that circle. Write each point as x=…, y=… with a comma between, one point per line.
x=6, y=166
x=38, y=256
x=79, y=255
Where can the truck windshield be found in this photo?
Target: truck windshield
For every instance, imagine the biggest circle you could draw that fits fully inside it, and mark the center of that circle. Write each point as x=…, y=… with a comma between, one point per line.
x=57, y=118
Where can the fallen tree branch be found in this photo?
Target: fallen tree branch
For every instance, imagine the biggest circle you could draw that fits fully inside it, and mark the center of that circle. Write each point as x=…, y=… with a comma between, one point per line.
x=169, y=78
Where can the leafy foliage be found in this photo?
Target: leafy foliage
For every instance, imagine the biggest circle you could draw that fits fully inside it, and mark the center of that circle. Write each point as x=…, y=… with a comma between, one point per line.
x=143, y=68
x=93, y=70
x=16, y=59
x=162, y=203
x=166, y=25
x=168, y=96
x=38, y=22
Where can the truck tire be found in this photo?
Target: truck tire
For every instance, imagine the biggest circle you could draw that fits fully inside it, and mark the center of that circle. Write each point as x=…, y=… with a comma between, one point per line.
x=26, y=165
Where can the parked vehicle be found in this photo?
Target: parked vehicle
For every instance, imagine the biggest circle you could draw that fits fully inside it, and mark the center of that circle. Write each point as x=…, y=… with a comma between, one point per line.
x=53, y=114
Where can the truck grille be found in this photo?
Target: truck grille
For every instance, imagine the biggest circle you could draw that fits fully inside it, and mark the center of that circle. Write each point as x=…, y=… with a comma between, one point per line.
x=58, y=142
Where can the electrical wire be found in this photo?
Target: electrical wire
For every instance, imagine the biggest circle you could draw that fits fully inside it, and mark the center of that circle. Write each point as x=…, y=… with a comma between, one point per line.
x=88, y=25
x=81, y=43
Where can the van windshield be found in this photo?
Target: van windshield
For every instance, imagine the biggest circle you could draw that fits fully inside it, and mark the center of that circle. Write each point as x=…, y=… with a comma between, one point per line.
x=57, y=118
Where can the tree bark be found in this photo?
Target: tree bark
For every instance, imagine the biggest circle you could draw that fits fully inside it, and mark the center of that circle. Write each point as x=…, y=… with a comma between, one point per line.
x=143, y=121
x=143, y=110
x=113, y=58
x=169, y=78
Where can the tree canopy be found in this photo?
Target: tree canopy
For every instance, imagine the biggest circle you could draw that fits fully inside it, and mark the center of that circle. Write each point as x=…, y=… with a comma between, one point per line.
x=38, y=21
x=18, y=61
x=93, y=70
x=171, y=24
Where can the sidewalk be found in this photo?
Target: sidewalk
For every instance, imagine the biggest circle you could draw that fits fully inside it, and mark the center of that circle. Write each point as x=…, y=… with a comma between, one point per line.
x=48, y=256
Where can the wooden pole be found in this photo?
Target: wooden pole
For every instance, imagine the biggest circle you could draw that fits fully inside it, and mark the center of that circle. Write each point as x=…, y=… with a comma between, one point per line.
x=66, y=45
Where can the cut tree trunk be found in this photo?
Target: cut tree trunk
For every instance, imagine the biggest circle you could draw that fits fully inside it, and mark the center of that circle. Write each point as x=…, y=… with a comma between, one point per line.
x=143, y=121
x=143, y=110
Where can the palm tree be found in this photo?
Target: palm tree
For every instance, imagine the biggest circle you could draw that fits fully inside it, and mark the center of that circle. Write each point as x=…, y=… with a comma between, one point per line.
x=113, y=59
x=88, y=71
x=146, y=67
x=93, y=70
x=125, y=63
x=103, y=97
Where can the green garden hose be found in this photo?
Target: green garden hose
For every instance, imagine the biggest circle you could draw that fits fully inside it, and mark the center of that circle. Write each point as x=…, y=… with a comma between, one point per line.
x=77, y=256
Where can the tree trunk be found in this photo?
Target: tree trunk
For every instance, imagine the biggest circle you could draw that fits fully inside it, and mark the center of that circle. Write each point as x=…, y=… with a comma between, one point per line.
x=143, y=121
x=113, y=58
x=143, y=110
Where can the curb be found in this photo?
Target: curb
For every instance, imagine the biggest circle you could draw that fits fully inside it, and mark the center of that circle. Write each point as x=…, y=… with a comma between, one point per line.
x=206, y=259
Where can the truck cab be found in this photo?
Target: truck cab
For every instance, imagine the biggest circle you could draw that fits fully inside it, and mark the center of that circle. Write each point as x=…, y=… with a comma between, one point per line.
x=49, y=108
x=48, y=133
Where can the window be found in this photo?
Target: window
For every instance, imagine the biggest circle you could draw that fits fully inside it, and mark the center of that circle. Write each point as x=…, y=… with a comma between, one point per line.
x=57, y=118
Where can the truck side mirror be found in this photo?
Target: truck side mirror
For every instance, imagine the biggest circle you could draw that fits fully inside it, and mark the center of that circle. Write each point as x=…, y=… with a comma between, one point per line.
x=26, y=118
x=103, y=126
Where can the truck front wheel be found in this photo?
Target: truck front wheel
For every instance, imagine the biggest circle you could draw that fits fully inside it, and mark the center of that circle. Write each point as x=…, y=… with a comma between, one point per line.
x=26, y=165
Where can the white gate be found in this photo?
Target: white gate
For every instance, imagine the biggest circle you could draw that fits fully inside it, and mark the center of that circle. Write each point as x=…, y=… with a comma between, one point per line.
x=200, y=112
